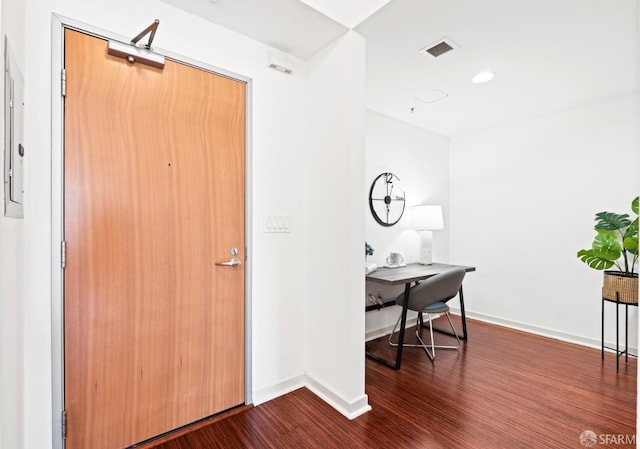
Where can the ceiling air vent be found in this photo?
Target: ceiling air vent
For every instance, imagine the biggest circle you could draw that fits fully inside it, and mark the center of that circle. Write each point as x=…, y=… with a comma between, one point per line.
x=439, y=48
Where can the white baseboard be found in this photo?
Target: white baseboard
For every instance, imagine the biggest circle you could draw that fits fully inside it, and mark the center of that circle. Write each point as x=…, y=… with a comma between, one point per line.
x=381, y=332
x=266, y=394
x=537, y=330
x=349, y=409
x=361, y=405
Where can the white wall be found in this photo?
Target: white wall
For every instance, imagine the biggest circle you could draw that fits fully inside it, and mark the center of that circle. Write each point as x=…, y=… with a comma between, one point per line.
x=282, y=267
x=12, y=272
x=334, y=321
x=421, y=160
x=523, y=200
x=292, y=173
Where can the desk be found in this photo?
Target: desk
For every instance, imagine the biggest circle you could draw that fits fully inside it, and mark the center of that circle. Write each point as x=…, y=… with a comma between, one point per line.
x=407, y=275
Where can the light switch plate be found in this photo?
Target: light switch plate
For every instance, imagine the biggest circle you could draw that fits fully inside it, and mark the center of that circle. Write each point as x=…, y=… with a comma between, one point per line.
x=278, y=224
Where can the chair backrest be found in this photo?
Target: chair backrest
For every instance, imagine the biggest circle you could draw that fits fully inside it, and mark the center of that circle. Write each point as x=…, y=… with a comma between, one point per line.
x=441, y=287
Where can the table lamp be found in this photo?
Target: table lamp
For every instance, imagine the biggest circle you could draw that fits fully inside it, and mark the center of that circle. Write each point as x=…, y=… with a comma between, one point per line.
x=425, y=219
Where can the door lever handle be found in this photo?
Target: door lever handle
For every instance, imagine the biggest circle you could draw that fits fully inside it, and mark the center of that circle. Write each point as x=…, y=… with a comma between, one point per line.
x=231, y=263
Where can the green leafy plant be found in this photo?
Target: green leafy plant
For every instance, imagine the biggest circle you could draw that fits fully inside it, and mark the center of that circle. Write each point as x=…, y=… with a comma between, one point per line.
x=615, y=243
x=368, y=250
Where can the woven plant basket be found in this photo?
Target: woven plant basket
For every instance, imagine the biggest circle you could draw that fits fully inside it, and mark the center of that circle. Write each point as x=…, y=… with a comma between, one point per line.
x=625, y=284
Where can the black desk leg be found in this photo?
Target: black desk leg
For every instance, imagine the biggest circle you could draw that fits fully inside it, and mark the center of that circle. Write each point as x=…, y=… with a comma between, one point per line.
x=403, y=323
x=463, y=317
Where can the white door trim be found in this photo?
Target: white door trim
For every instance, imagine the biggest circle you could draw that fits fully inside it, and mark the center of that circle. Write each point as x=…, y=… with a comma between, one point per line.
x=59, y=23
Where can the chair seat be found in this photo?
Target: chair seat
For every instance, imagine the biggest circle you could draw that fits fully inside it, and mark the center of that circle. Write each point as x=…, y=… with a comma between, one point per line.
x=436, y=307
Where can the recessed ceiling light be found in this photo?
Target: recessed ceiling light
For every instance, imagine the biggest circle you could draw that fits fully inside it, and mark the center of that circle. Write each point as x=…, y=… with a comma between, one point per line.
x=483, y=77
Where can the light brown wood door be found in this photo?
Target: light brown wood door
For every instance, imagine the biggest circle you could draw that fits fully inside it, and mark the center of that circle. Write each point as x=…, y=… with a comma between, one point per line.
x=154, y=189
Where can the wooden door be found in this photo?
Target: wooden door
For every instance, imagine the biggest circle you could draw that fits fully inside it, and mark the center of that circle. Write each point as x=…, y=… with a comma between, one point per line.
x=154, y=163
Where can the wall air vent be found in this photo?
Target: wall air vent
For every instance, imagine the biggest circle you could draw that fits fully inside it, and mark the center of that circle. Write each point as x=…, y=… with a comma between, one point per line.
x=280, y=62
x=439, y=47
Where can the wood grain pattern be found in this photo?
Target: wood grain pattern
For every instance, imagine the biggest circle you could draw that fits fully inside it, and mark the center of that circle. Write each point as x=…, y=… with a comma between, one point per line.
x=154, y=196
x=504, y=389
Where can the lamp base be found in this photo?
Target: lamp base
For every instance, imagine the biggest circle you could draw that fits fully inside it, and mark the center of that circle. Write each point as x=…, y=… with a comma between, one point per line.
x=426, y=254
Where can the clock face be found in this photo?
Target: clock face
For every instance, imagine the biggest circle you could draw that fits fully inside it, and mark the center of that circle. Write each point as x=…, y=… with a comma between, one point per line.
x=386, y=199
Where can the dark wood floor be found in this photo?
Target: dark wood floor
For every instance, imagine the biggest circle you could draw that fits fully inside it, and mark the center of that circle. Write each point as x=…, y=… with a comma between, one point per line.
x=503, y=389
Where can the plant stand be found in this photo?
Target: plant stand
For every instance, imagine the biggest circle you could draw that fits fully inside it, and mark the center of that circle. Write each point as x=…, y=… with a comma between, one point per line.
x=626, y=305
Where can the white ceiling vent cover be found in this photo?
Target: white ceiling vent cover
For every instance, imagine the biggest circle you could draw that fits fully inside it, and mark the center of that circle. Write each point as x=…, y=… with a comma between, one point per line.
x=431, y=96
x=439, y=47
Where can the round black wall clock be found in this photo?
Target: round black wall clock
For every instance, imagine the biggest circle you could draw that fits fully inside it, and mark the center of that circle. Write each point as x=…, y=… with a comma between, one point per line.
x=386, y=199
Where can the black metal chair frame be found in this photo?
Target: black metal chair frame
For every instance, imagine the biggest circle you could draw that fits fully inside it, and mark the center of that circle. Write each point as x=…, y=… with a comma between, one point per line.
x=420, y=324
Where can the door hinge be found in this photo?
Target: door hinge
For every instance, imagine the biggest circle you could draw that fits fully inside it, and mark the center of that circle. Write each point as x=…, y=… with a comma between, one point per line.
x=64, y=424
x=64, y=83
x=63, y=254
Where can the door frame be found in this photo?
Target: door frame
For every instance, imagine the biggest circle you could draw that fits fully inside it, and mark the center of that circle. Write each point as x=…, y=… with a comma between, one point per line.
x=59, y=24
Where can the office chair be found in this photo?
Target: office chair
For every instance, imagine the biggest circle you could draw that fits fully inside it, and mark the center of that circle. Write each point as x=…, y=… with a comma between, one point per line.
x=429, y=297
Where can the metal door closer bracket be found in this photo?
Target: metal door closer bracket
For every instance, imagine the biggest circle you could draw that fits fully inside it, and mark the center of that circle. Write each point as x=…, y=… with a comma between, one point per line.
x=134, y=53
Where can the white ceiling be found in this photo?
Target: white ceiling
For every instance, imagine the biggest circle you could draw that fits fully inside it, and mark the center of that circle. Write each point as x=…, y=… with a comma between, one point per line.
x=548, y=55
x=288, y=25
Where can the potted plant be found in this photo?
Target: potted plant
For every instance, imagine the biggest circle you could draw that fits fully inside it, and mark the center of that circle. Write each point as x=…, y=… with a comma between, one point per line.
x=368, y=250
x=616, y=244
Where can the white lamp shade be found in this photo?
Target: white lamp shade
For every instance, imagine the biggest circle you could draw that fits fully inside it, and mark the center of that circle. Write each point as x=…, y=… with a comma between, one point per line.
x=427, y=218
